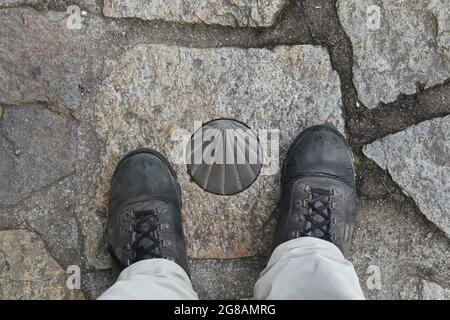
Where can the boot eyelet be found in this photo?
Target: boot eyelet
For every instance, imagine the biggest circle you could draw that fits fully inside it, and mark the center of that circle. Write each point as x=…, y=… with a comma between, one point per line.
x=305, y=203
x=331, y=205
x=295, y=235
x=163, y=226
x=168, y=258
x=161, y=210
x=165, y=243
x=308, y=188
x=127, y=246
x=332, y=192
x=333, y=221
x=129, y=214
x=128, y=262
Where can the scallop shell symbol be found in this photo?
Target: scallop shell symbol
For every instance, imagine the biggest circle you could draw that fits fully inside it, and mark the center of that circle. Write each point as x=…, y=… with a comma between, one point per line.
x=224, y=156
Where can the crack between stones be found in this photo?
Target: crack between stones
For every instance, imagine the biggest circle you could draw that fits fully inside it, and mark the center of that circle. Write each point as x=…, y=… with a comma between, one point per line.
x=407, y=109
x=27, y=227
x=59, y=110
x=199, y=35
x=41, y=189
x=53, y=5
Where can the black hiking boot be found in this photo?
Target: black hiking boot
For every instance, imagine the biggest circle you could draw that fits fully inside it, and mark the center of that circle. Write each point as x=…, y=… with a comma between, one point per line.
x=318, y=189
x=144, y=213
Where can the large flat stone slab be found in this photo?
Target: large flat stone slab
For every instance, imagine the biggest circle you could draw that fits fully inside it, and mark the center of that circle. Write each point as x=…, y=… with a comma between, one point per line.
x=40, y=59
x=242, y=13
x=418, y=159
x=37, y=148
x=396, y=45
x=397, y=253
x=27, y=271
x=152, y=92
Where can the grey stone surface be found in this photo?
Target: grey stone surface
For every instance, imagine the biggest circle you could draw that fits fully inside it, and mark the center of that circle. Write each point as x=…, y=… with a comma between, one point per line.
x=403, y=245
x=49, y=213
x=242, y=13
x=11, y=3
x=411, y=45
x=48, y=149
x=48, y=71
x=97, y=282
x=212, y=279
x=64, y=213
x=61, y=5
x=419, y=289
x=287, y=88
x=226, y=279
x=28, y=271
x=37, y=148
x=91, y=221
x=433, y=291
x=418, y=159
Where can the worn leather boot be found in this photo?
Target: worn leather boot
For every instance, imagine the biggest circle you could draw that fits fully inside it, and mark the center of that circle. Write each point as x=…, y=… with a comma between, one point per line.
x=318, y=189
x=144, y=213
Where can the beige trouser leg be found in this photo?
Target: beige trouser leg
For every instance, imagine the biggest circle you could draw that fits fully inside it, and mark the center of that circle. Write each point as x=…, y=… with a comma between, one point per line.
x=154, y=279
x=305, y=268
x=308, y=268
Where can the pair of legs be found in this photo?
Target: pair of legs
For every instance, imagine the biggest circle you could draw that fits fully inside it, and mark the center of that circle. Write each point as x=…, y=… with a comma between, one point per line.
x=303, y=268
x=316, y=216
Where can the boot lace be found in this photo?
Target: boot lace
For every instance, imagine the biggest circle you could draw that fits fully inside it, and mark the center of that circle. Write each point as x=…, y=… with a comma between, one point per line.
x=319, y=207
x=145, y=242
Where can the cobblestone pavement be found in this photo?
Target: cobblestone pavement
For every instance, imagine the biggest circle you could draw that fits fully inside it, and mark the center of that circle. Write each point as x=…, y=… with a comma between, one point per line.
x=73, y=101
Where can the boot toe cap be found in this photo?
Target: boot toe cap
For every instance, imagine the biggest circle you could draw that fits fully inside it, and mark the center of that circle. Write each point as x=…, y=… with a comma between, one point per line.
x=322, y=150
x=143, y=174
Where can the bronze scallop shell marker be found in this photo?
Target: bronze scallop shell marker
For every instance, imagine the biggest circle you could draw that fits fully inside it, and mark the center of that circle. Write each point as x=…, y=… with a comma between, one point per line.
x=224, y=156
